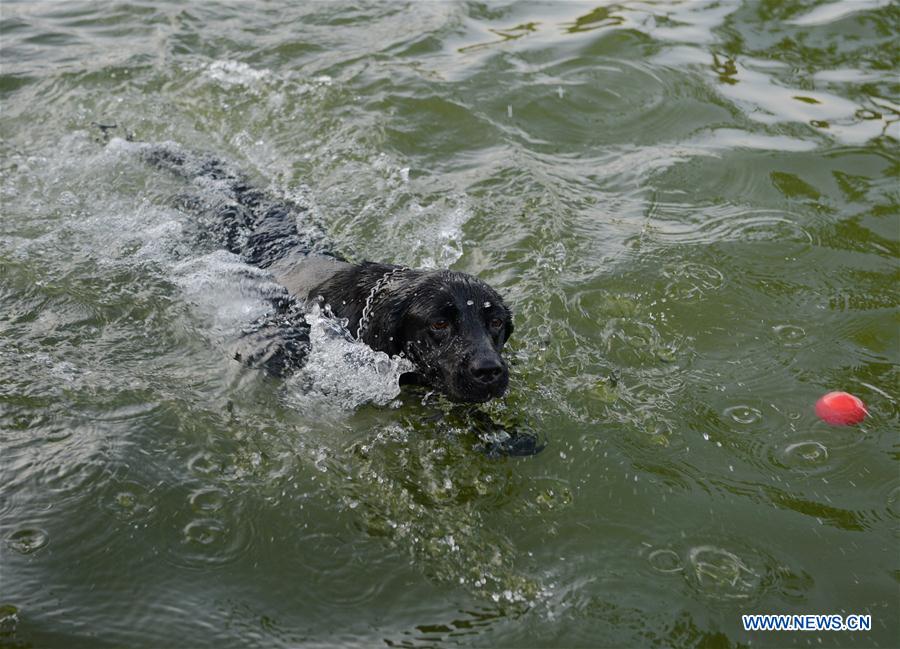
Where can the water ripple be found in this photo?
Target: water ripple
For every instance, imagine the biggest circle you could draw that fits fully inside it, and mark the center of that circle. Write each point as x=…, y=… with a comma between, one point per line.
x=835, y=11
x=691, y=280
x=790, y=335
x=665, y=561
x=744, y=415
x=806, y=456
x=892, y=502
x=655, y=186
x=27, y=540
x=129, y=501
x=203, y=539
x=720, y=573
x=734, y=225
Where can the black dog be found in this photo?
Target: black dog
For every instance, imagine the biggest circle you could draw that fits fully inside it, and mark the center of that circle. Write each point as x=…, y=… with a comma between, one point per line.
x=450, y=325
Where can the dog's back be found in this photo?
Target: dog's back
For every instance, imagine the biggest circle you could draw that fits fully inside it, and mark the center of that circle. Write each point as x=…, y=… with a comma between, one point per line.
x=264, y=232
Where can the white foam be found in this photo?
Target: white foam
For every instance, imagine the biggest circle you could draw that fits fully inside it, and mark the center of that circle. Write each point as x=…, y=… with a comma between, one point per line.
x=235, y=73
x=341, y=372
x=127, y=229
x=228, y=292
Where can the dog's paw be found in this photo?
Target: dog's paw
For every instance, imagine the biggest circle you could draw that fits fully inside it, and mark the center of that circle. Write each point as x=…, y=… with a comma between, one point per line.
x=515, y=445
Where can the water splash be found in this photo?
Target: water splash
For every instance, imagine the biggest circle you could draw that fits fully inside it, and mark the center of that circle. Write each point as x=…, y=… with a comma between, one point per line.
x=342, y=372
x=235, y=73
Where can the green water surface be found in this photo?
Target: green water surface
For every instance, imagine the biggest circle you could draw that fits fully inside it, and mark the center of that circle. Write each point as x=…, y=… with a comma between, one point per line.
x=691, y=206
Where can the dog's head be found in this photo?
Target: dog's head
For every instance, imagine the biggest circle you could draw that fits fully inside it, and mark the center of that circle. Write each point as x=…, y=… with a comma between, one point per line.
x=451, y=326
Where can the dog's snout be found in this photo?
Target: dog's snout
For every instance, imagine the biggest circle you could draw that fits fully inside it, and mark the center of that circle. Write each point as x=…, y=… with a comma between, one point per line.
x=486, y=369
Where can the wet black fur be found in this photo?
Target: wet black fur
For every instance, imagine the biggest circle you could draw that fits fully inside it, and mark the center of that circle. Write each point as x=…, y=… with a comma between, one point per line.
x=463, y=360
x=403, y=312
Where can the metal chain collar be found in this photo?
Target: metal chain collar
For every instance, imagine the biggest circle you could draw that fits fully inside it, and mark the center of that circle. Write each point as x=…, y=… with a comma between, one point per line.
x=367, y=309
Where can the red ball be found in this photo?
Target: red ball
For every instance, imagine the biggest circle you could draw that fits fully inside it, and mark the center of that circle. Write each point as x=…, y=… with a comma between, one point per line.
x=841, y=409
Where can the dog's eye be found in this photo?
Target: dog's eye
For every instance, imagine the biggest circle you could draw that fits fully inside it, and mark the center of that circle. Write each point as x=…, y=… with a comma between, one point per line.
x=496, y=323
x=440, y=325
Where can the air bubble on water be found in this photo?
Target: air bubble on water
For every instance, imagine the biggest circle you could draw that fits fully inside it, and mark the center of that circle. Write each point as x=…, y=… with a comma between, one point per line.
x=28, y=540
x=802, y=455
x=743, y=414
x=790, y=335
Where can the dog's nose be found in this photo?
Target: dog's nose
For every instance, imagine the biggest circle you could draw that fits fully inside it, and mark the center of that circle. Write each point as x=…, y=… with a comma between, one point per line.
x=486, y=370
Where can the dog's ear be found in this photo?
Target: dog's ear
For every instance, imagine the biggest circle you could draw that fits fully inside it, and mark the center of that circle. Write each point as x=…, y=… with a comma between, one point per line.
x=384, y=332
x=510, y=327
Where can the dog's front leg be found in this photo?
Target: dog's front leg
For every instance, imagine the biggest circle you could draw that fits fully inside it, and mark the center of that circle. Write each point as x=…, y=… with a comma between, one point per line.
x=278, y=344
